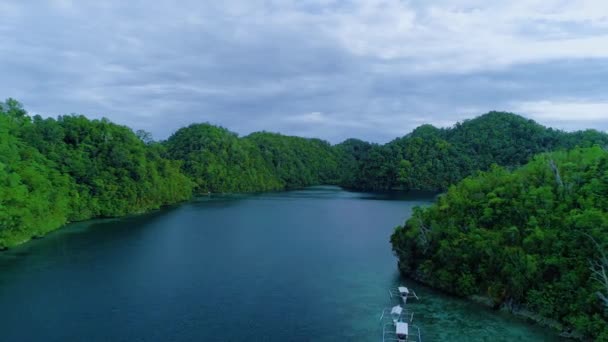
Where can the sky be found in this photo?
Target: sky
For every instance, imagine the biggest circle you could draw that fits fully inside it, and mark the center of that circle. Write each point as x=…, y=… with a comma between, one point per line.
x=370, y=69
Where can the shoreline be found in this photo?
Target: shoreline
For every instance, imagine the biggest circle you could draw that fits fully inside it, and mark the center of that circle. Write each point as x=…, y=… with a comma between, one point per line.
x=38, y=236
x=519, y=312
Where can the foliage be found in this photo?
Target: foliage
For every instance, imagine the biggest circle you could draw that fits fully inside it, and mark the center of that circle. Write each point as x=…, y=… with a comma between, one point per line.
x=524, y=237
x=296, y=161
x=34, y=196
x=349, y=155
x=431, y=158
x=218, y=161
x=56, y=171
x=519, y=237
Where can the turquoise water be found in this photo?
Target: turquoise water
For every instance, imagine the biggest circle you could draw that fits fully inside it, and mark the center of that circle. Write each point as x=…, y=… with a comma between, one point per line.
x=308, y=265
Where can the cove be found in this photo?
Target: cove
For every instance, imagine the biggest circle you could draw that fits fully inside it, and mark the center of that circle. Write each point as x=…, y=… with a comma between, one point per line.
x=306, y=265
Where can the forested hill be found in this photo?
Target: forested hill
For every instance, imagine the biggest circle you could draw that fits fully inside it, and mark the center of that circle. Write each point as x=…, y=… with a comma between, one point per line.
x=71, y=168
x=428, y=158
x=53, y=171
x=219, y=161
x=534, y=238
x=433, y=158
x=68, y=169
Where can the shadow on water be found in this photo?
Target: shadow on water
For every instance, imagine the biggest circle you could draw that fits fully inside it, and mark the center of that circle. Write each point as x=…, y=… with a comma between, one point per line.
x=91, y=233
x=331, y=192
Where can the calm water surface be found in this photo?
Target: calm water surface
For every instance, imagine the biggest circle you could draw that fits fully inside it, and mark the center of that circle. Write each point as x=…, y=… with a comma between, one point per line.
x=309, y=265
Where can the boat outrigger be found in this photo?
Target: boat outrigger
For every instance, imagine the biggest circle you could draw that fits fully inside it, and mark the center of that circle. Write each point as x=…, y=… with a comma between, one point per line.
x=397, y=321
x=403, y=292
x=401, y=332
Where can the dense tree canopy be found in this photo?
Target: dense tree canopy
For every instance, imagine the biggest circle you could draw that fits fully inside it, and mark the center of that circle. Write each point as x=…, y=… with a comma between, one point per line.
x=349, y=155
x=218, y=161
x=523, y=237
x=296, y=161
x=535, y=236
x=431, y=158
x=34, y=195
x=72, y=168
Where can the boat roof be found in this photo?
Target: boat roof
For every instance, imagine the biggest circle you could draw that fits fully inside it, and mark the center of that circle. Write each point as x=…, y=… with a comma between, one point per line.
x=401, y=328
x=403, y=289
x=397, y=310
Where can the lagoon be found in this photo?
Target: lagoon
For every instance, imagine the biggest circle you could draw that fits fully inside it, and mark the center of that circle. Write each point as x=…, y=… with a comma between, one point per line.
x=306, y=265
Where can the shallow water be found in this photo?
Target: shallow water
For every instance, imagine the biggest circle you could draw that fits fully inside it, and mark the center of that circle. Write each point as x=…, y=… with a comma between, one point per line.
x=308, y=265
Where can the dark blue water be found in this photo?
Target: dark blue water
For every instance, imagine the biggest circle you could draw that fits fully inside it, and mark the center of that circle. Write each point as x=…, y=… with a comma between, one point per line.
x=310, y=265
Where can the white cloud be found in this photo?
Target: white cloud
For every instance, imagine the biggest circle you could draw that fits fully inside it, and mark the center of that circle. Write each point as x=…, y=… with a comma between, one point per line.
x=463, y=36
x=309, y=118
x=562, y=110
x=373, y=69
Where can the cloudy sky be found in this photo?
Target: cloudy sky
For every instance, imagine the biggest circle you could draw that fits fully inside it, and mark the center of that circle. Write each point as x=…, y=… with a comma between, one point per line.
x=372, y=69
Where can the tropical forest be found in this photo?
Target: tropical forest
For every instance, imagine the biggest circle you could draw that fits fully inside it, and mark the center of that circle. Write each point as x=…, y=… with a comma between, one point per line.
x=520, y=220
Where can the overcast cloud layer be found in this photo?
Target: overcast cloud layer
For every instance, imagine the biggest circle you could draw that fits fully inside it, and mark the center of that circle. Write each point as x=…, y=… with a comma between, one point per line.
x=372, y=69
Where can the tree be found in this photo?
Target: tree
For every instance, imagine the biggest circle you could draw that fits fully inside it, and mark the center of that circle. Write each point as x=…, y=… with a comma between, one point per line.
x=144, y=136
x=599, y=269
x=520, y=238
x=72, y=168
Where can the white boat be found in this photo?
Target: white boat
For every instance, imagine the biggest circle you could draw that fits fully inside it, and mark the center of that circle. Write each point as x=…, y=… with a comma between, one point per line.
x=402, y=292
x=401, y=332
x=397, y=314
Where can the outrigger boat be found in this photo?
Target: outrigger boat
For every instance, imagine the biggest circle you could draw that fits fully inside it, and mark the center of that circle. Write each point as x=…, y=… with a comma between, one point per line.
x=402, y=292
x=397, y=314
x=401, y=332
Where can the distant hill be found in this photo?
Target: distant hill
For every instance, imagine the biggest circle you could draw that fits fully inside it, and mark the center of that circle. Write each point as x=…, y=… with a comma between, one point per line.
x=431, y=158
x=72, y=168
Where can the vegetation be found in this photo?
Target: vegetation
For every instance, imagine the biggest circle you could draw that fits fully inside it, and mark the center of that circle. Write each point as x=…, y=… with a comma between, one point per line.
x=533, y=237
x=54, y=171
x=432, y=158
x=297, y=162
x=218, y=161
x=72, y=168
x=34, y=196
